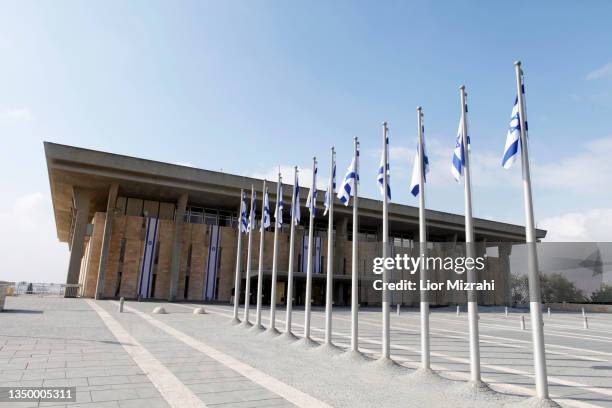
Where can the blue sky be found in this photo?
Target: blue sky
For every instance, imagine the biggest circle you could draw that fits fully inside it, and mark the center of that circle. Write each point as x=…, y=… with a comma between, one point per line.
x=247, y=86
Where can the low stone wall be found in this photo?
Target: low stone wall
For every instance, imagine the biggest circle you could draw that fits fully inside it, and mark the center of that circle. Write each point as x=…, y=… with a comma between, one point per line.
x=3, y=289
x=577, y=307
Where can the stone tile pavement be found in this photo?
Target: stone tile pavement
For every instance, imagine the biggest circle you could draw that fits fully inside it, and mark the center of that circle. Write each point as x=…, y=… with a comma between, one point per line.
x=64, y=342
x=61, y=342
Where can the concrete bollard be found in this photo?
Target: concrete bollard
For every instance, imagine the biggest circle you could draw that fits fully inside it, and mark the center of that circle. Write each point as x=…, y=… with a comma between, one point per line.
x=506, y=311
x=583, y=312
x=121, y=301
x=159, y=310
x=458, y=310
x=522, y=322
x=585, y=322
x=549, y=312
x=199, y=310
x=398, y=309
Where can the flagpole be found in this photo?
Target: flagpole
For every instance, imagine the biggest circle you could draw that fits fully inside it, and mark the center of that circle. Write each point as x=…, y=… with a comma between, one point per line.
x=258, y=325
x=386, y=341
x=289, y=313
x=354, y=259
x=330, y=253
x=272, y=328
x=469, y=242
x=235, y=319
x=309, y=261
x=535, y=307
x=425, y=354
x=247, y=287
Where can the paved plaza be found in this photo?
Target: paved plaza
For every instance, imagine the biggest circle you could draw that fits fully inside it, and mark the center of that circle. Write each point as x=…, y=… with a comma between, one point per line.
x=181, y=359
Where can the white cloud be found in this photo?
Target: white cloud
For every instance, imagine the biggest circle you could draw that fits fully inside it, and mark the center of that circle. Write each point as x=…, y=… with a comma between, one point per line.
x=401, y=153
x=588, y=171
x=601, y=72
x=485, y=165
x=16, y=115
x=591, y=225
x=186, y=164
x=30, y=249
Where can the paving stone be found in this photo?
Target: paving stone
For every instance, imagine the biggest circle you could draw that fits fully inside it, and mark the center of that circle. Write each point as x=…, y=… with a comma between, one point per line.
x=108, y=380
x=114, y=395
x=144, y=403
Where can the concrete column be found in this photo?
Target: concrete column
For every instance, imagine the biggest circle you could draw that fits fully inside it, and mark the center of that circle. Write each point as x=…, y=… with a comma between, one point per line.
x=179, y=215
x=504, y=251
x=106, y=238
x=340, y=244
x=81, y=218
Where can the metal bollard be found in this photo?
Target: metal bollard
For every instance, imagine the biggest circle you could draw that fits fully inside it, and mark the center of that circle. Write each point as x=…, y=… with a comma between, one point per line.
x=506, y=311
x=549, y=312
x=585, y=322
x=398, y=309
x=458, y=310
x=522, y=322
x=583, y=312
x=121, y=301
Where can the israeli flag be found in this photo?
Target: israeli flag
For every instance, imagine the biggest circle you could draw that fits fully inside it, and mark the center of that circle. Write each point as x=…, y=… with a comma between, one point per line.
x=252, y=220
x=513, y=137
x=458, y=154
x=347, y=188
x=296, y=194
x=311, y=201
x=265, y=221
x=278, y=212
x=380, y=177
x=328, y=195
x=416, y=170
x=244, y=224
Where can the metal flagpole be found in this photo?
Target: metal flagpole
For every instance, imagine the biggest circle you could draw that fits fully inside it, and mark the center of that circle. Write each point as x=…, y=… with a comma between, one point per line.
x=279, y=197
x=330, y=253
x=354, y=259
x=295, y=202
x=425, y=355
x=307, y=300
x=247, y=286
x=537, y=325
x=258, y=325
x=386, y=341
x=469, y=242
x=238, y=261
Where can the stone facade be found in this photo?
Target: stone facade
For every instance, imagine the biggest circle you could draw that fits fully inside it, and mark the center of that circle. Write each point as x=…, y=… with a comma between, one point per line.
x=127, y=246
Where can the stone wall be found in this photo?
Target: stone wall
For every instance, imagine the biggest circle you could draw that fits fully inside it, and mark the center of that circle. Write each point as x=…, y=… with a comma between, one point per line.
x=129, y=233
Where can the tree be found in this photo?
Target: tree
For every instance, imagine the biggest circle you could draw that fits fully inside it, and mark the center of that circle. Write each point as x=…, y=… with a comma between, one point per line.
x=519, y=289
x=556, y=288
x=603, y=295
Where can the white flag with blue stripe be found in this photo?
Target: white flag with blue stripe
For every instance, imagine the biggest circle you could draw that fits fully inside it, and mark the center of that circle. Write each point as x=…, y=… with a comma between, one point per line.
x=513, y=137
x=296, y=194
x=328, y=195
x=278, y=213
x=380, y=177
x=252, y=220
x=348, y=185
x=265, y=222
x=244, y=223
x=458, y=154
x=416, y=169
x=311, y=201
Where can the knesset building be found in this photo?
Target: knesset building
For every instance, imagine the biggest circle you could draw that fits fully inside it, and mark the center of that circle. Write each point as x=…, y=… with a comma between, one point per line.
x=139, y=228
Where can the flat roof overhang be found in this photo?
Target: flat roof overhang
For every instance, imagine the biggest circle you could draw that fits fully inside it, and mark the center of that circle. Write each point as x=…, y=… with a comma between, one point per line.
x=70, y=166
